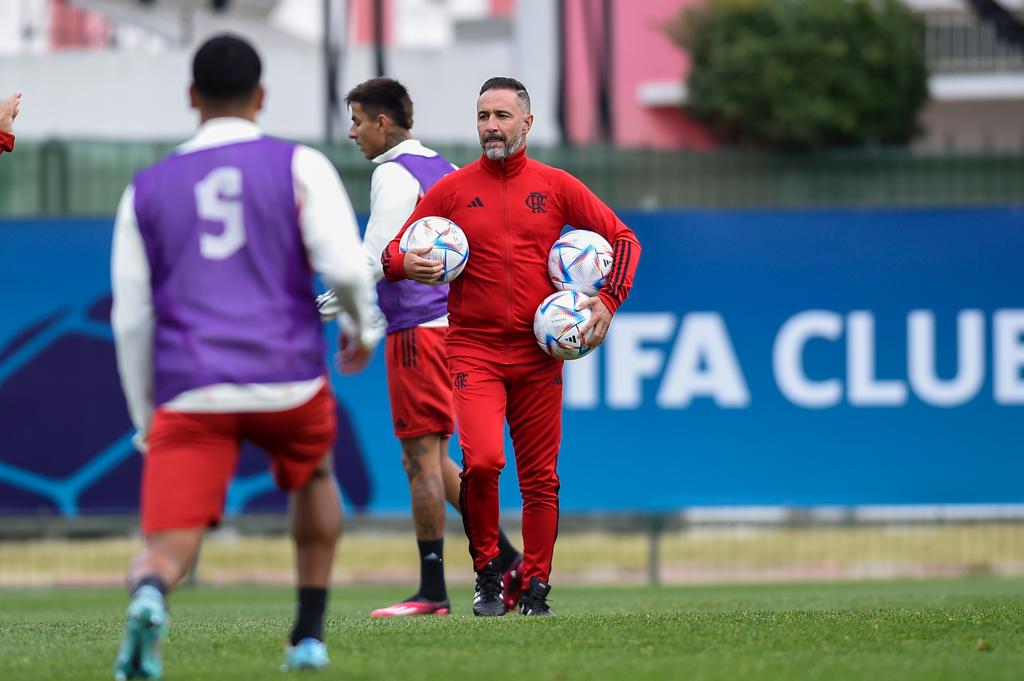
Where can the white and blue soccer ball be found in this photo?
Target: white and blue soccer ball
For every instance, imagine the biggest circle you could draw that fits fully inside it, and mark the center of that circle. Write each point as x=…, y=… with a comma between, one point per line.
x=556, y=325
x=579, y=261
x=446, y=240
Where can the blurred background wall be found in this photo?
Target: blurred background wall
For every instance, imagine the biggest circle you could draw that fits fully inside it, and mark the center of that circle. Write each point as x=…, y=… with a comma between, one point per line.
x=617, y=57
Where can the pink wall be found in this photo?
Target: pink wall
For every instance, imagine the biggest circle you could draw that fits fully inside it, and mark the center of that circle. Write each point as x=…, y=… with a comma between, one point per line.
x=503, y=8
x=73, y=27
x=361, y=16
x=642, y=52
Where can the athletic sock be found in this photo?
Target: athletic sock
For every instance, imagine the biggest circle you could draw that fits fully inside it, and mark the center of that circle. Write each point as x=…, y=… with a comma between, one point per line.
x=432, y=586
x=153, y=581
x=309, y=623
x=507, y=553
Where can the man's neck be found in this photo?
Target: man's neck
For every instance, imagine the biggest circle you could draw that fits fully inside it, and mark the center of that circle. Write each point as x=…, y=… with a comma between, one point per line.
x=205, y=116
x=396, y=138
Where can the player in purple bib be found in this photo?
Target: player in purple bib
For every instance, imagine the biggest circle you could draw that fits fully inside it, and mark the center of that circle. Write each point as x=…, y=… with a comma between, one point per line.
x=218, y=340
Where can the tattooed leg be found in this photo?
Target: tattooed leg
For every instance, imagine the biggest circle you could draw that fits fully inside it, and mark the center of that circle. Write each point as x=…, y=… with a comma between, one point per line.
x=423, y=468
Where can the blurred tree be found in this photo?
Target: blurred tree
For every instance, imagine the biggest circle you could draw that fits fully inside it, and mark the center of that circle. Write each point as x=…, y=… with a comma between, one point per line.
x=799, y=74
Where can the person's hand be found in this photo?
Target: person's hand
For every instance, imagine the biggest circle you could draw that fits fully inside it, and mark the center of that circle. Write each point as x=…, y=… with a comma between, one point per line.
x=9, y=111
x=595, y=329
x=354, y=356
x=421, y=269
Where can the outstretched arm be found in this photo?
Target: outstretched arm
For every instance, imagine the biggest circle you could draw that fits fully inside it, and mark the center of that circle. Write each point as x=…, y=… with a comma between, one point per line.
x=8, y=112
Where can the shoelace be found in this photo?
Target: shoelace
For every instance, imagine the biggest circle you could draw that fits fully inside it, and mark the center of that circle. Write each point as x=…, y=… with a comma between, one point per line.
x=488, y=583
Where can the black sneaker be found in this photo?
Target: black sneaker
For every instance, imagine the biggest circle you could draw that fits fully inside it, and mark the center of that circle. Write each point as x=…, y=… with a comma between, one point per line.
x=487, y=601
x=535, y=599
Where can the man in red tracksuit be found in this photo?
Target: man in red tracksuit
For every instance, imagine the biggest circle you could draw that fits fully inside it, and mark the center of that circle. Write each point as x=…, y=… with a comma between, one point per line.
x=512, y=210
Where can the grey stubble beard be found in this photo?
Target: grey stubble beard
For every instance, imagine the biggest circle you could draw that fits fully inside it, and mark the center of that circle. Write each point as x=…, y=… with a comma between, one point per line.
x=505, y=150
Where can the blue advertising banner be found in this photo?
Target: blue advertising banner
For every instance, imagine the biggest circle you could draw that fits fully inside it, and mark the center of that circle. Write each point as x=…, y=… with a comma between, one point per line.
x=763, y=358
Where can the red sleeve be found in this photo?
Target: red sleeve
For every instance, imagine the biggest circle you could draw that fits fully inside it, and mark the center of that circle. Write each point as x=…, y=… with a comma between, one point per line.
x=583, y=210
x=432, y=203
x=6, y=141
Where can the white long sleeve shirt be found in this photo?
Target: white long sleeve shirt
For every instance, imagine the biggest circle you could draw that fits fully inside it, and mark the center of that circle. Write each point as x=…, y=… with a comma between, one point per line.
x=394, y=193
x=331, y=237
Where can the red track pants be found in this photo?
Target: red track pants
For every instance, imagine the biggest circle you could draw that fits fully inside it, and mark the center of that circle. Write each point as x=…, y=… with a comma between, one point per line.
x=529, y=396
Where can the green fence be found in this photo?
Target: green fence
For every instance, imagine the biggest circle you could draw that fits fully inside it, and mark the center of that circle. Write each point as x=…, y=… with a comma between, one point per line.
x=85, y=178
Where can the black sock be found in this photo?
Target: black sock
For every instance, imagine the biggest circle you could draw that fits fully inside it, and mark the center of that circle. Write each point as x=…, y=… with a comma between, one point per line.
x=153, y=581
x=309, y=623
x=432, y=585
x=507, y=553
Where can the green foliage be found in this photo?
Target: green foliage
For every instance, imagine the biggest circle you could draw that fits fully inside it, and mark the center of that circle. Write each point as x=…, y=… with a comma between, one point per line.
x=805, y=74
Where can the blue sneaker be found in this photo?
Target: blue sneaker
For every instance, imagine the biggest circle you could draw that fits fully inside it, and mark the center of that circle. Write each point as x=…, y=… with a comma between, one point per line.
x=145, y=628
x=308, y=653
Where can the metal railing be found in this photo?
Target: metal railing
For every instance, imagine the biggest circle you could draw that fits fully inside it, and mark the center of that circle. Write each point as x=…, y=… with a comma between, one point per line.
x=687, y=546
x=957, y=42
x=86, y=178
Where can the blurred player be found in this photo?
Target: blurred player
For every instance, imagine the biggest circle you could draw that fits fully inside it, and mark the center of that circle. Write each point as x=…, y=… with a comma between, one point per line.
x=218, y=340
x=8, y=112
x=512, y=210
x=417, y=314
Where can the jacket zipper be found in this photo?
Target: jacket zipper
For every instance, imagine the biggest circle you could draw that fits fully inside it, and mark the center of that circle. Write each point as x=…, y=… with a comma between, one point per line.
x=508, y=246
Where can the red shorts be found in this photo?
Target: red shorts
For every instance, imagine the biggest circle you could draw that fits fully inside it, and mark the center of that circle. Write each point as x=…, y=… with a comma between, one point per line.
x=419, y=382
x=192, y=457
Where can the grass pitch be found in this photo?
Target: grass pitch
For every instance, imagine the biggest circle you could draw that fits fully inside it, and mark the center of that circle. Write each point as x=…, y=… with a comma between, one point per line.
x=928, y=630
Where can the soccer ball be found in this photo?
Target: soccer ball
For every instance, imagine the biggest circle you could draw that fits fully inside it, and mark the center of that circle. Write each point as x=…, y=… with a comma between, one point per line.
x=447, y=241
x=556, y=325
x=579, y=261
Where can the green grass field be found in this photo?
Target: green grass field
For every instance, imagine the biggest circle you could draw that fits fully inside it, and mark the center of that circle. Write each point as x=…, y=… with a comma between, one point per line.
x=929, y=630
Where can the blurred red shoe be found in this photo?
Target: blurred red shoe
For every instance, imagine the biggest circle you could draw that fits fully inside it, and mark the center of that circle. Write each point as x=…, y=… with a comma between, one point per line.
x=413, y=608
x=512, y=584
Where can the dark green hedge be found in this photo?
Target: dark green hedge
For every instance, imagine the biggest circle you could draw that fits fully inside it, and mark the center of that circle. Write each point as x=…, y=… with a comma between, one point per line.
x=805, y=74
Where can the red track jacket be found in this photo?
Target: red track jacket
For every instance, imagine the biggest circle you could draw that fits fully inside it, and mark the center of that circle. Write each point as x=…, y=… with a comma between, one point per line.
x=512, y=212
x=6, y=142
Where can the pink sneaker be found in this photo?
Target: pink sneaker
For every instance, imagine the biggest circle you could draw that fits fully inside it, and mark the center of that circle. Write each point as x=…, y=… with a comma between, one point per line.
x=413, y=608
x=512, y=584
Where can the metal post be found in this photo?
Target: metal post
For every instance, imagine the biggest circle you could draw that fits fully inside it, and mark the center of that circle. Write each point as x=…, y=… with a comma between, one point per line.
x=606, y=72
x=655, y=527
x=563, y=101
x=378, y=37
x=330, y=76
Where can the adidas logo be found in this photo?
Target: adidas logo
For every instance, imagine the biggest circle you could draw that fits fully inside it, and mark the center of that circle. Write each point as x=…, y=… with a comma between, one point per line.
x=476, y=203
